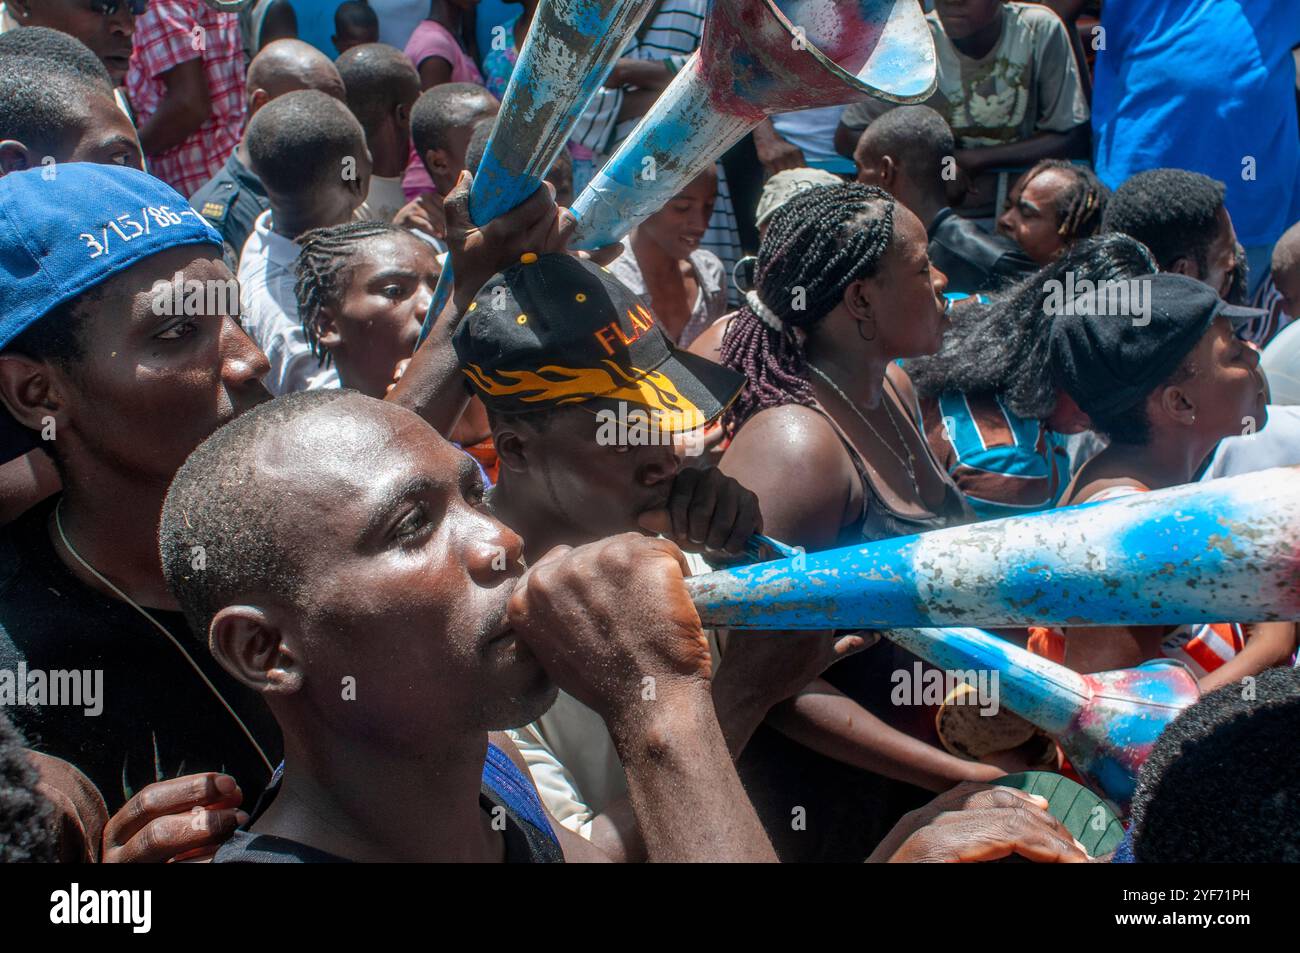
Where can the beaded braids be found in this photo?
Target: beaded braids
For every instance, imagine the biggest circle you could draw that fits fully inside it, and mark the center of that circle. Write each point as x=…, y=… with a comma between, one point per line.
x=322, y=271
x=816, y=245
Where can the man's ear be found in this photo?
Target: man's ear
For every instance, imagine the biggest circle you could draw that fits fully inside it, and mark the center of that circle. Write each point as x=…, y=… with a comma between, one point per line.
x=248, y=644
x=14, y=157
x=437, y=161
x=512, y=448
x=887, y=170
x=402, y=116
x=32, y=391
x=256, y=100
x=1185, y=265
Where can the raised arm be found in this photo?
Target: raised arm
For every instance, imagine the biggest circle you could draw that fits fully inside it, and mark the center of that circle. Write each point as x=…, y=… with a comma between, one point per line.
x=614, y=626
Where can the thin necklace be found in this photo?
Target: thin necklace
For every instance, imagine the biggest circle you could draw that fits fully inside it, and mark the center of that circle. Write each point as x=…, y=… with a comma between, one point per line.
x=58, y=524
x=909, y=464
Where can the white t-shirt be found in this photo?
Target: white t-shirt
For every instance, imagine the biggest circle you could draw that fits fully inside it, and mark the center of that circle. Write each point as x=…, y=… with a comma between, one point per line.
x=1277, y=445
x=1281, y=362
x=270, y=306
x=384, y=200
x=571, y=755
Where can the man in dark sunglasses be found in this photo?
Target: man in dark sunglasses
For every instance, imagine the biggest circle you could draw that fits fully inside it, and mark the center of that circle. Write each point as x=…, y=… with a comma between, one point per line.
x=106, y=26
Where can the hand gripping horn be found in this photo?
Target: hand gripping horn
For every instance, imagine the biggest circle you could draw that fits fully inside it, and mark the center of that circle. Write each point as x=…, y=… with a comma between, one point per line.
x=570, y=49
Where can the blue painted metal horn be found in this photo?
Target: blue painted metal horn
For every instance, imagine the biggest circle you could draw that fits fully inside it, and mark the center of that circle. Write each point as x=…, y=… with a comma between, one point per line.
x=756, y=58
x=1106, y=723
x=571, y=47
x=1223, y=551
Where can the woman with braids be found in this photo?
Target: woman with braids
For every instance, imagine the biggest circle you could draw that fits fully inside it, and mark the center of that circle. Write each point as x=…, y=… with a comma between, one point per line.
x=828, y=434
x=1052, y=206
x=994, y=415
x=363, y=289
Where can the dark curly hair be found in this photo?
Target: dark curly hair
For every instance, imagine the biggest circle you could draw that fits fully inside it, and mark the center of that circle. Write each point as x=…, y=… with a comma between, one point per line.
x=1172, y=211
x=25, y=832
x=1222, y=782
x=1001, y=349
x=816, y=245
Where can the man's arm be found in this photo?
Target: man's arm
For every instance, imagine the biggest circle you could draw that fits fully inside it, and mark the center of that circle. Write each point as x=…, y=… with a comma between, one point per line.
x=1074, y=144
x=829, y=722
x=432, y=384
x=774, y=151
x=1268, y=644
x=614, y=626
x=973, y=823
x=185, y=107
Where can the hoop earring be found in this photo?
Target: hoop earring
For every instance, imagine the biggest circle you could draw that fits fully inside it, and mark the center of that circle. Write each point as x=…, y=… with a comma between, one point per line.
x=873, y=329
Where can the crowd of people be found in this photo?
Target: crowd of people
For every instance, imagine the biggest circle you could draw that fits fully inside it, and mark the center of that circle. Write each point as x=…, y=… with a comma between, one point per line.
x=261, y=545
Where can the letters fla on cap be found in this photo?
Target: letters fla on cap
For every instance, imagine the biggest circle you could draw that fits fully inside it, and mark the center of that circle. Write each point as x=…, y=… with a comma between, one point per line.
x=554, y=330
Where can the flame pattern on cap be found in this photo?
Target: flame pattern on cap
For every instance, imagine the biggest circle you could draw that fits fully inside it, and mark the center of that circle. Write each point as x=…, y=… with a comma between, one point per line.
x=552, y=383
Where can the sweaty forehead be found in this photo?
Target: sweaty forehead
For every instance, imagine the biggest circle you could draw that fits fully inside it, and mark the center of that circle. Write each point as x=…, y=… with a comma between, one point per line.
x=346, y=449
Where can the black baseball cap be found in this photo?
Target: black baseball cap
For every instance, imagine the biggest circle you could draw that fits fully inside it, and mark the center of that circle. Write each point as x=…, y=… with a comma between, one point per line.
x=1108, y=362
x=555, y=330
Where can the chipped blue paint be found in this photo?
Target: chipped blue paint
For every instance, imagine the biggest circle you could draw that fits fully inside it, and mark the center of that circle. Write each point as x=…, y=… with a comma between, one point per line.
x=571, y=47
x=1222, y=551
x=752, y=63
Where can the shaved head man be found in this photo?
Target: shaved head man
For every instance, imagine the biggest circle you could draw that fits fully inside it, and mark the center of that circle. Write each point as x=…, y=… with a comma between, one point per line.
x=235, y=196
x=348, y=543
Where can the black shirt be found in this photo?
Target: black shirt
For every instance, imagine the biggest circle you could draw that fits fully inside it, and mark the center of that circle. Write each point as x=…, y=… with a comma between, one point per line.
x=231, y=200
x=973, y=259
x=158, y=719
x=505, y=789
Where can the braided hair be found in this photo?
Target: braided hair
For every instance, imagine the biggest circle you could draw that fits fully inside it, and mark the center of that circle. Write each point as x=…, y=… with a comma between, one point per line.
x=1082, y=202
x=816, y=245
x=323, y=268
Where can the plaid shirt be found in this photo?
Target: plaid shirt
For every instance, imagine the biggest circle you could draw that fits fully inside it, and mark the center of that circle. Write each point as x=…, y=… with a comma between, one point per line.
x=172, y=32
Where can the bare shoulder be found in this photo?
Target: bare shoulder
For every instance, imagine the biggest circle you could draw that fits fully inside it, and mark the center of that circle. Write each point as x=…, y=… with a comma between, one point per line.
x=787, y=438
x=793, y=446
x=709, y=342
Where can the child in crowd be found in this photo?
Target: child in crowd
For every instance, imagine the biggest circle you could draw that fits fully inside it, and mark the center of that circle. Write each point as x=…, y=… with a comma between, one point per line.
x=684, y=284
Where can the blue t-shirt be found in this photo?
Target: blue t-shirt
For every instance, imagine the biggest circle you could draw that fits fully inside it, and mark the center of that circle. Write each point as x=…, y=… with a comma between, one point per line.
x=1202, y=85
